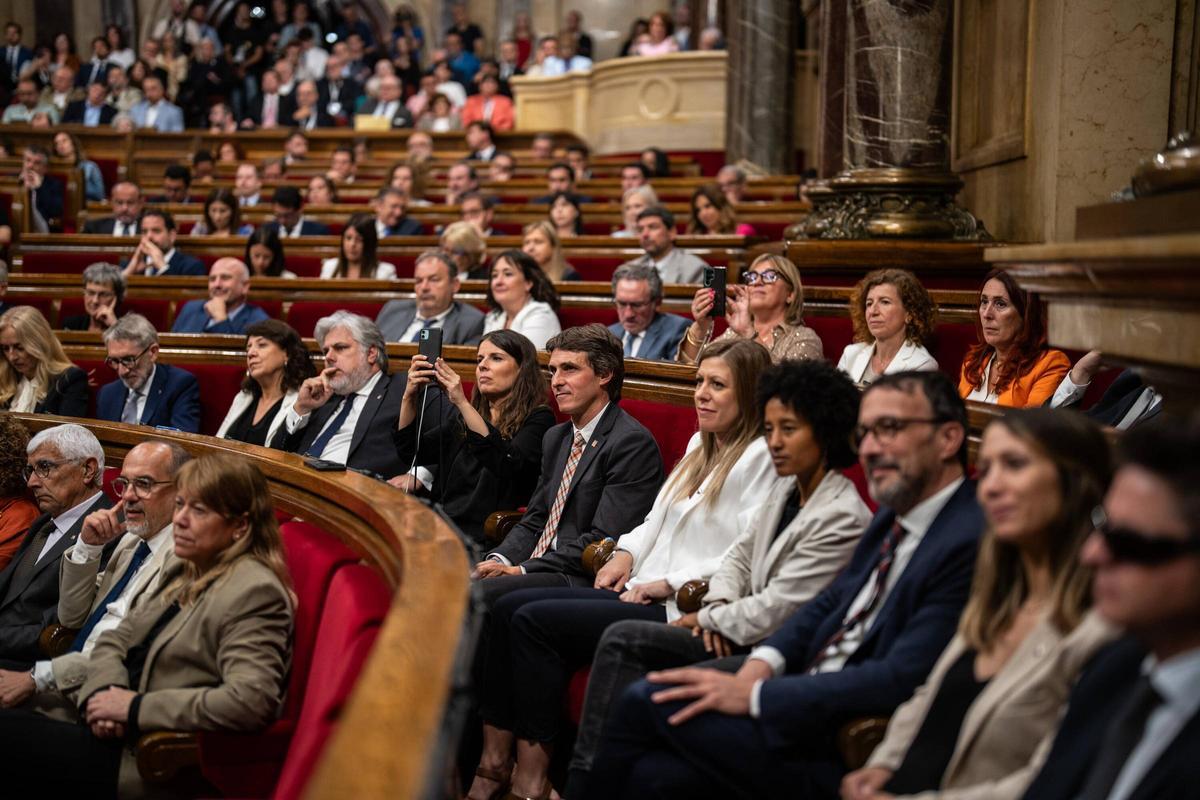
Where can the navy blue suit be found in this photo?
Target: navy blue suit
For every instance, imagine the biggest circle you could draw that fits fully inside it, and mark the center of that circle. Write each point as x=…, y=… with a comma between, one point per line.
x=308, y=227
x=194, y=319
x=406, y=227
x=661, y=339
x=173, y=400
x=178, y=264
x=789, y=750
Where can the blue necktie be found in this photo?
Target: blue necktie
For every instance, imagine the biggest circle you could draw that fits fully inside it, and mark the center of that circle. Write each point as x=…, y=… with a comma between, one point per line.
x=139, y=555
x=318, y=446
x=426, y=325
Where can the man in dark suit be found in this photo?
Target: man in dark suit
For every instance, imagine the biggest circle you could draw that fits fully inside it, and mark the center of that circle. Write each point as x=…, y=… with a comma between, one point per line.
x=93, y=111
x=390, y=104
x=347, y=413
x=390, y=216
x=126, y=201
x=96, y=68
x=16, y=55
x=156, y=253
x=644, y=331
x=560, y=178
x=146, y=392
x=436, y=282
x=1132, y=727
x=606, y=462
x=307, y=111
x=66, y=470
x=269, y=109
x=337, y=94
x=289, y=221
x=45, y=192
x=860, y=647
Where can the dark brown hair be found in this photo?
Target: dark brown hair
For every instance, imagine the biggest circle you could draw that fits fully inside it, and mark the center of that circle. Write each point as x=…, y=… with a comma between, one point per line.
x=726, y=223
x=542, y=289
x=297, y=367
x=528, y=392
x=921, y=310
x=604, y=353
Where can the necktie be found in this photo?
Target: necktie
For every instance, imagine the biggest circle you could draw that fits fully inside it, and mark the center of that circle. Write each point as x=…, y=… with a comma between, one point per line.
x=629, y=340
x=139, y=555
x=318, y=445
x=29, y=559
x=887, y=554
x=130, y=415
x=1123, y=736
x=269, y=111
x=426, y=325
x=12, y=62
x=550, y=532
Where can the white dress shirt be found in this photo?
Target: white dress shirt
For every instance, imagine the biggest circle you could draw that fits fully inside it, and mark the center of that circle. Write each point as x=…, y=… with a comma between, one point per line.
x=338, y=448
x=64, y=522
x=121, y=229
x=151, y=115
x=25, y=398
x=1069, y=392
x=418, y=323
x=982, y=395
x=386, y=271
x=536, y=321
x=145, y=390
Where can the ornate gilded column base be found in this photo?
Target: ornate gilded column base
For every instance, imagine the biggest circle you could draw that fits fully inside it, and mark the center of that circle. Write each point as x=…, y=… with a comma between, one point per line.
x=897, y=203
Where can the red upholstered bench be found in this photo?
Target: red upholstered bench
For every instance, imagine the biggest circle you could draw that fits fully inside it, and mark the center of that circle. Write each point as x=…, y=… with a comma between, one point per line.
x=65, y=263
x=219, y=384
x=304, y=266
x=672, y=426
x=157, y=311
x=571, y=316
x=304, y=315
x=42, y=304
x=835, y=333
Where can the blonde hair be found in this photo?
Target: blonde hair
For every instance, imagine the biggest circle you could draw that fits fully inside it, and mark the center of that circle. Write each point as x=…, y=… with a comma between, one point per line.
x=794, y=314
x=556, y=267
x=463, y=235
x=746, y=360
x=35, y=335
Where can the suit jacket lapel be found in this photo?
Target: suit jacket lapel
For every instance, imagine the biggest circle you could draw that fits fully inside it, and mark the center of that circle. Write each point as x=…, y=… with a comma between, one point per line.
x=594, y=445
x=155, y=395
x=319, y=418
x=654, y=333
x=64, y=541
x=25, y=545
x=368, y=412
x=166, y=635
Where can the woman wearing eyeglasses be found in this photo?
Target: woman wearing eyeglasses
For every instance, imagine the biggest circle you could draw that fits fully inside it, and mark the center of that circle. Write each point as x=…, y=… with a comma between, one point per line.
x=276, y=364
x=768, y=308
x=17, y=511
x=35, y=375
x=998, y=690
x=893, y=317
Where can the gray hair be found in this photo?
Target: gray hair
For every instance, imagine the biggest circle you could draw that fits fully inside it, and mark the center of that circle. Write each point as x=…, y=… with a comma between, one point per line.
x=132, y=328
x=645, y=190
x=74, y=443
x=439, y=256
x=106, y=274
x=362, y=330
x=640, y=272
x=739, y=174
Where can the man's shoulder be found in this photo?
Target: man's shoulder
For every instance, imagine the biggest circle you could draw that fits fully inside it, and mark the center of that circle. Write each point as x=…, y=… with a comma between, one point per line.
x=467, y=311
x=670, y=322
x=175, y=376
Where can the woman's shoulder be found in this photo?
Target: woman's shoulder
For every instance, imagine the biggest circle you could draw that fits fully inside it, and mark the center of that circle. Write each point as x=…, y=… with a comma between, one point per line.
x=71, y=374
x=1051, y=359
x=542, y=415
x=249, y=576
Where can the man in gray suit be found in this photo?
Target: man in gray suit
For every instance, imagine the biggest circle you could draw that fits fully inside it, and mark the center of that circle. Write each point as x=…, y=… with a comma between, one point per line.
x=65, y=468
x=656, y=230
x=435, y=281
x=156, y=111
x=644, y=331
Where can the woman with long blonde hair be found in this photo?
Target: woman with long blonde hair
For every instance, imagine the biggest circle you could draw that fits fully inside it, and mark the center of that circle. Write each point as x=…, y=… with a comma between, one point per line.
x=541, y=242
x=35, y=374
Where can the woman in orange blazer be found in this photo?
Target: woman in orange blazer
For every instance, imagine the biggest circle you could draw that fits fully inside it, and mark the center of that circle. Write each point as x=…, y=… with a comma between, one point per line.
x=1012, y=364
x=502, y=107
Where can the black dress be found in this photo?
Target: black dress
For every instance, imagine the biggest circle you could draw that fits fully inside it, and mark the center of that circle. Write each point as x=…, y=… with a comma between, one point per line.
x=244, y=428
x=475, y=475
x=66, y=396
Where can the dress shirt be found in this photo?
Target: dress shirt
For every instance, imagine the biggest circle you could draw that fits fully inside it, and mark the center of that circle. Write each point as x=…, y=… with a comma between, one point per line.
x=121, y=229
x=1070, y=392
x=387, y=110
x=25, y=398
x=1177, y=681
x=982, y=395
x=230, y=316
x=437, y=321
x=292, y=232
x=536, y=321
x=251, y=201
x=63, y=523
x=141, y=395
x=152, y=115
x=270, y=110
x=916, y=524
x=489, y=152
x=552, y=66
x=91, y=115
x=338, y=448
x=152, y=270
x=637, y=339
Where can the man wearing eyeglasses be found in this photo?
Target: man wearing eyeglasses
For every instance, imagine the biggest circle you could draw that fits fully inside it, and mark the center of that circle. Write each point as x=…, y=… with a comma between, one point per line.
x=64, y=471
x=656, y=231
x=145, y=392
x=93, y=599
x=1132, y=727
x=859, y=648
x=644, y=331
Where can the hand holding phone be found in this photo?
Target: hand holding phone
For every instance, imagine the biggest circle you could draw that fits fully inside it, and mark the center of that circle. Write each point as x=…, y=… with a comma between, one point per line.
x=714, y=278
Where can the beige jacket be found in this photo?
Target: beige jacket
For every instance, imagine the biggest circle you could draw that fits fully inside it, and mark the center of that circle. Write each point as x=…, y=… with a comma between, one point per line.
x=1008, y=730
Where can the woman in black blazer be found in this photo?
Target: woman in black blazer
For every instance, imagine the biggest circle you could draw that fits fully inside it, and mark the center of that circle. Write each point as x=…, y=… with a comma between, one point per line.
x=483, y=454
x=35, y=374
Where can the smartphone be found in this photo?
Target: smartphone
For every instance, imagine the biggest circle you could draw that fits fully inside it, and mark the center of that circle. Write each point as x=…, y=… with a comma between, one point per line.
x=324, y=466
x=714, y=278
x=430, y=344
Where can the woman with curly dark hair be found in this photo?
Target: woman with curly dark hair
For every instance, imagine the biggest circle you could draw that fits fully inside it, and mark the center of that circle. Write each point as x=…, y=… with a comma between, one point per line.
x=522, y=299
x=1012, y=365
x=276, y=364
x=894, y=317
x=17, y=511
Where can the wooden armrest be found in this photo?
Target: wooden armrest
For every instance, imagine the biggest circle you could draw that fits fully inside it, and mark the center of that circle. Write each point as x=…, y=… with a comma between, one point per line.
x=597, y=554
x=689, y=596
x=499, y=523
x=858, y=738
x=162, y=754
x=55, y=640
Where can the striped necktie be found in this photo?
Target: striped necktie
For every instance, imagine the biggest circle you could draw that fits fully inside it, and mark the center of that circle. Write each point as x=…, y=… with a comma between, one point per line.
x=550, y=532
x=139, y=555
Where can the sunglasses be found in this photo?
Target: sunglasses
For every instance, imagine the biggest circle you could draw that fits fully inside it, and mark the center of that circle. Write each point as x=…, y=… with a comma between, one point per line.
x=1132, y=547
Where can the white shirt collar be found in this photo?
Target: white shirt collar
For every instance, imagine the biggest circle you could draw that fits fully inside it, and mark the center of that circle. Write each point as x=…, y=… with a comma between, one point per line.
x=1177, y=680
x=917, y=521
x=160, y=540
x=65, y=520
x=436, y=317
x=587, y=430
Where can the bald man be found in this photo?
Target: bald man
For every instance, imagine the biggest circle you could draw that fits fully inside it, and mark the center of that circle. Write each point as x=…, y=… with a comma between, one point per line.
x=390, y=104
x=226, y=309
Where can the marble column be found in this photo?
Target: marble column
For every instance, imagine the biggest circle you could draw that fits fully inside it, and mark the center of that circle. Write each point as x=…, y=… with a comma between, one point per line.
x=896, y=180
x=761, y=88
x=831, y=137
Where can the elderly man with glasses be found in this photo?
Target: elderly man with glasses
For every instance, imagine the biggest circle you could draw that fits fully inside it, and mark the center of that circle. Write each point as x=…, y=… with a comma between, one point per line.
x=644, y=330
x=146, y=392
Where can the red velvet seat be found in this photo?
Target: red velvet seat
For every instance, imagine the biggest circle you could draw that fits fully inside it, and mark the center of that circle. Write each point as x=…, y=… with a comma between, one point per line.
x=304, y=315
x=42, y=304
x=835, y=333
x=671, y=426
x=219, y=384
x=571, y=316
x=156, y=311
x=304, y=266
x=64, y=263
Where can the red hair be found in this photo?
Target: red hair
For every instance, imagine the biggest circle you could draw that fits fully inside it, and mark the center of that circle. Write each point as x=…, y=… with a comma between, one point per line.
x=1026, y=350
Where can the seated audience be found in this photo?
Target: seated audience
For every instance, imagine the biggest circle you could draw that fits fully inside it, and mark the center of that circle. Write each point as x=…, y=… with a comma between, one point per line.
x=656, y=232
x=1130, y=725
x=411, y=180
x=502, y=168
x=999, y=687
x=540, y=241
x=17, y=509
x=1128, y=401
x=357, y=255
x=732, y=182
x=860, y=647
x=126, y=202
x=560, y=179
x=634, y=201
x=467, y=249
x=44, y=193
x=644, y=329
x=145, y=392
x=537, y=638
x=176, y=183
x=390, y=104
x=768, y=307
x=247, y=185
x=893, y=318
x=634, y=175
x=420, y=147
x=390, y=216
x=489, y=106
x=521, y=299
x=156, y=253
x=93, y=111
x=226, y=310
x=217, y=637
x=803, y=534
x=479, y=210
x=268, y=109
x=479, y=138
x=36, y=377
x=277, y=364
x=659, y=38
x=27, y=104
x=1011, y=365
x=461, y=178
x=222, y=216
x=64, y=471
x=445, y=85
x=566, y=216
x=155, y=111
x=295, y=148
x=343, y=165
x=487, y=454
x=577, y=159
x=307, y=113
x=346, y=414
x=547, y=62
x=67, y=147
x=440, y=117
x=713, y=215
x=435, y=282
x=657, y=162
x=124, y=97
x=264, y=255
x=103, y=293
x=321, y=191
x=289, y=220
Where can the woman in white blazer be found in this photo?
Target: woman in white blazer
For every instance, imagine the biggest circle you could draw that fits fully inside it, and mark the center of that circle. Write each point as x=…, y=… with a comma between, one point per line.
x=276, y=364
x=893, y=315
x=521, y=299
x=706, y=501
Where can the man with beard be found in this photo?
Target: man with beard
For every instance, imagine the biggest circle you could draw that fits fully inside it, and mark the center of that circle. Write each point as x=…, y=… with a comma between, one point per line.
x=859, y=648
x=347, y=414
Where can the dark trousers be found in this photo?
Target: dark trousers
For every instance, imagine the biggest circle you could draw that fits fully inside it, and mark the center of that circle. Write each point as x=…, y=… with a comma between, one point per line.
x=43, y=757
x=550, y=633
